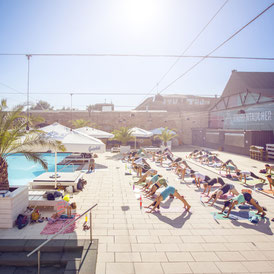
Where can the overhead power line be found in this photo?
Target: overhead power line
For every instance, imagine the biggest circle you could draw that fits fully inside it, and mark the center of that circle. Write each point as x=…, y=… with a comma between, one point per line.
x=17, y=92
x=142, y=55
x=223, y=43
x=186, y=49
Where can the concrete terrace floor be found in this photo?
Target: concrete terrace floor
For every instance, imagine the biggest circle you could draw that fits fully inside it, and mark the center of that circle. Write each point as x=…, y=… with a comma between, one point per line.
x=132, y=241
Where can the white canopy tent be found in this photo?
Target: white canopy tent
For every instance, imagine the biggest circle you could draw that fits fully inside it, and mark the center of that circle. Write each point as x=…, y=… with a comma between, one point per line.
x=140, y=133
x=72, y=140
x=158, y=131
x=96, y=133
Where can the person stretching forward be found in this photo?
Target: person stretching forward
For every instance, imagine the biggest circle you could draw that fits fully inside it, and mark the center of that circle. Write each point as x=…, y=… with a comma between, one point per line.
x=170, y=190
x=226, y=188
x=241, y=199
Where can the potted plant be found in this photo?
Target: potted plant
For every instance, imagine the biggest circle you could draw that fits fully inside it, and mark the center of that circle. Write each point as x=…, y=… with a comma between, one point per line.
x=165, y=136
x=123, y=135
x=15, y=139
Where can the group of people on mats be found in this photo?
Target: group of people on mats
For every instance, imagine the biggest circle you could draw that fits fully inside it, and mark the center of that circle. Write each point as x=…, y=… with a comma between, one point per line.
x=152, y=181
x=208, y=158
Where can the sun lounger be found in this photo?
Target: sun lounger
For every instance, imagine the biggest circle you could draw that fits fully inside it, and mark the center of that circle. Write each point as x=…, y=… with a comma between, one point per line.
x=47, y=180
x=36, y=199
x=115, y=149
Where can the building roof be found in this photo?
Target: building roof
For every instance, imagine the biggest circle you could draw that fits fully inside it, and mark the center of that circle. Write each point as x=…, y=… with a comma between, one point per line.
x=258, y=82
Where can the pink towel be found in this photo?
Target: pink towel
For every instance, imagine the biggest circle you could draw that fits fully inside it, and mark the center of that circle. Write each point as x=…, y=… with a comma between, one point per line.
x=57, y=226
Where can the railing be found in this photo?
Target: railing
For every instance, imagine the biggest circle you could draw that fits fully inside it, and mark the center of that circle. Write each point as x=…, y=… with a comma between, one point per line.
x=70, y=164
x=37, y=249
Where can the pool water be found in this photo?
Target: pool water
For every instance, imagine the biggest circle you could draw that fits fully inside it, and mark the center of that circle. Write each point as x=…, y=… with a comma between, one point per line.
x=21, y=171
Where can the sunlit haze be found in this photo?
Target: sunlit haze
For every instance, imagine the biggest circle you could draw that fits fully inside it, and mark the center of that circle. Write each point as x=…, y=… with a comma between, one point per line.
x=138, y=27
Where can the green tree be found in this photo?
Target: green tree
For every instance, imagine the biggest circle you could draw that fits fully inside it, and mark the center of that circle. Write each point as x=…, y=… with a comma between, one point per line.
x=166, y=136
x=41, y=105
x=15, y=139
x=122, y=135
x=80, y=123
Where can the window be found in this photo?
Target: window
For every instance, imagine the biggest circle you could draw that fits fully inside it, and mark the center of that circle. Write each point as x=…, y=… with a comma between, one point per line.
x=234, y=139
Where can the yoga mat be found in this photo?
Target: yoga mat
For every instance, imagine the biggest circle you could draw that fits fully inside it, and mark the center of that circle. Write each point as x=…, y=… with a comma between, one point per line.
x=246, y=207
x=253, y=182
x=58, y=225
x=236, y=215
x=139, y=184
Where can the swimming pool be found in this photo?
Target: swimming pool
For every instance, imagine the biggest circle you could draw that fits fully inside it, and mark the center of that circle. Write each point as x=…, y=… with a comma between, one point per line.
x=21, y=171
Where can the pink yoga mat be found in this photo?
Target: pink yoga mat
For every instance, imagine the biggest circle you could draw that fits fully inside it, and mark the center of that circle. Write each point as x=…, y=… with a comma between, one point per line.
x=58, y=225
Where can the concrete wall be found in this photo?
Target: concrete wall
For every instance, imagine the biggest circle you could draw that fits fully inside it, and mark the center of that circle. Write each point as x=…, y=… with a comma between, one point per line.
x=182, y=122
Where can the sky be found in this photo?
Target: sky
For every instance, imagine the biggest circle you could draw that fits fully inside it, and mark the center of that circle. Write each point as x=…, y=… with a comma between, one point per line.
x=138, y=27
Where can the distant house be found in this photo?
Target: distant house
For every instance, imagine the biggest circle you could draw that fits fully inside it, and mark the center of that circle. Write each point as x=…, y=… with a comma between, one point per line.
x=103, y=107
x=243, y=115
x=177, y=102
x=247, y=102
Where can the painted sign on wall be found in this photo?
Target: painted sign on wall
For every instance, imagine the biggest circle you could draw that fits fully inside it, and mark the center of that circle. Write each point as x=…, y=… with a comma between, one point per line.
x=259, y=117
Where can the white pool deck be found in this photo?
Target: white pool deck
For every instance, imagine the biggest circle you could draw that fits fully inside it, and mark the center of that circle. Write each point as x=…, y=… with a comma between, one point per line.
x=132, y=241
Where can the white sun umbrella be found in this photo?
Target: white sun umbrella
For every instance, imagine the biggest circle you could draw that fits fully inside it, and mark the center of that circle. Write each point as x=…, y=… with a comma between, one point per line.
x=140, y=133
x=158, y=131
x=72, y=140
x=96, y=133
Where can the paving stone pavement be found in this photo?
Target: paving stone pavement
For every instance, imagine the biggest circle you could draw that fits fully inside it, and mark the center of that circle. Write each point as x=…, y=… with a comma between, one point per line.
x=133, y=241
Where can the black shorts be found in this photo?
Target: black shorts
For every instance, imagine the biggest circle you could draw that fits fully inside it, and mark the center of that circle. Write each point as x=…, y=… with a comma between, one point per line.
x=221, y=181
x=212, y=182
x=206, y=178
x=178, y=160
x=225, y=188
x=156, y=186
x=247, y=197
x=227, y=203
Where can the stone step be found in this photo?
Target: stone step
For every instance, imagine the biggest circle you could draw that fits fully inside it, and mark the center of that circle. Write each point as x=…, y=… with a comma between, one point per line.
x=20, y=245
x=47, y=258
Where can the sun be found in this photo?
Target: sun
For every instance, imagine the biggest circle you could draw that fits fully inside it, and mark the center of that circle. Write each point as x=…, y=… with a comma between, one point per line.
x=140, y=13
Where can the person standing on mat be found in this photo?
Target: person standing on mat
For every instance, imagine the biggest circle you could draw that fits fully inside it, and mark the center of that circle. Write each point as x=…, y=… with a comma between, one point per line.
x=226, y=188
x=170, y=190
x=91, y=165
x=269, y=168
x=271, y=182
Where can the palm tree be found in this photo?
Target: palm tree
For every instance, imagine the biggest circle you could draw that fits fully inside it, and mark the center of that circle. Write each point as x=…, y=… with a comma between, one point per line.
x=15, y=139
x=122, y=135
x=80, y=123
x=166, y=136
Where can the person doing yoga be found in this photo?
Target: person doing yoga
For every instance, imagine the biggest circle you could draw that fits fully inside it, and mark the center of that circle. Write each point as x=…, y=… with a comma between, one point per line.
x=170, y=190
x=150, y=172
x=226, y=188
x=229, y=166
x=199, y=178
x=244, y=174
x=161, y=182
x=208, y=185
x=153, y=180
x=185, y=170
x=241, y=199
